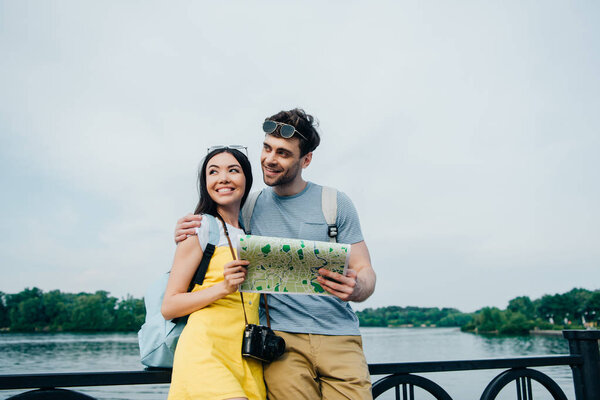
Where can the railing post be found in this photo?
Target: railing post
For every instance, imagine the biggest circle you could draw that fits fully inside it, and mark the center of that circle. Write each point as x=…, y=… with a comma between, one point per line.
x=586, y=377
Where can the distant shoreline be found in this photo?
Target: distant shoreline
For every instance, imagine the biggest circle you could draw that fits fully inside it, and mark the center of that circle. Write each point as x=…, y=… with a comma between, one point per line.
x=545, y=332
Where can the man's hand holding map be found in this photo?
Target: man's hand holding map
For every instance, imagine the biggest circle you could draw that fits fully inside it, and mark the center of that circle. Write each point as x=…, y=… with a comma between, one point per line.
x=281, y=265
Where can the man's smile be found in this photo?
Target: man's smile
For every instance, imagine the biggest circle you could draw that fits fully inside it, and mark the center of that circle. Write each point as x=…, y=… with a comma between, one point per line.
x=271, y=171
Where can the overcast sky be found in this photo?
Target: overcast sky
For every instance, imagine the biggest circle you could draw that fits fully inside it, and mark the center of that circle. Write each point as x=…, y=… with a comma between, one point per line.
x=466, y=133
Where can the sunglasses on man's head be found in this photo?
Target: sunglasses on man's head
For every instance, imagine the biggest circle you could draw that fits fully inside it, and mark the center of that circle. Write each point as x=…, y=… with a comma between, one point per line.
x=285, y=130
x=237, y=147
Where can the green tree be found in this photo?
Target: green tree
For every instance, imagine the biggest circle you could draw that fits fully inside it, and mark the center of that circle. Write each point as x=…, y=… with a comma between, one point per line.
x=93, y=312
x=574, y=303
x=129, y=315
x=489, y=319
x=550, y=307
x=567, y=306
x=592, y=307
x=523, y=305
x=515, y=323
x=58, y=308
x=455, y=319
x=4, y=317
x=26, y=310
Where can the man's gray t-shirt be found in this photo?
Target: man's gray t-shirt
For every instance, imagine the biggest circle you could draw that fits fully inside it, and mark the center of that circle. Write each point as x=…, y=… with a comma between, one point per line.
x=301, y=217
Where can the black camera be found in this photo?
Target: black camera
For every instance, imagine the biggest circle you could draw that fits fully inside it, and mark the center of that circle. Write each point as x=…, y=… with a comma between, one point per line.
x=262, y=343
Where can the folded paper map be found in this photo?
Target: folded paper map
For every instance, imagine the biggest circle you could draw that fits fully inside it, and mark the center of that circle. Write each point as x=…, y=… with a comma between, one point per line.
x=280, y=265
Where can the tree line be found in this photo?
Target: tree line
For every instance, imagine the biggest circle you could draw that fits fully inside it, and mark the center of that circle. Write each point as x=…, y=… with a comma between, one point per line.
x=32, y=310
x=577, y=308
x=395, y=316
x=574, y=309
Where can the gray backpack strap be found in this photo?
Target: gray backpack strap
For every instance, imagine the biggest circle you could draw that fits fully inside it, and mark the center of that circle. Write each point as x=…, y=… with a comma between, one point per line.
x=213, y=230
x=248, y=209
x=329, y=206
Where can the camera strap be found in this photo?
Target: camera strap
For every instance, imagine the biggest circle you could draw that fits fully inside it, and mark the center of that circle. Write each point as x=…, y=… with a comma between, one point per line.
x=241, y=294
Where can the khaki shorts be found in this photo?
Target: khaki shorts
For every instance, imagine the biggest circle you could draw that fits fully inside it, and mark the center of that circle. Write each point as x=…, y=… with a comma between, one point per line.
x=319, y=367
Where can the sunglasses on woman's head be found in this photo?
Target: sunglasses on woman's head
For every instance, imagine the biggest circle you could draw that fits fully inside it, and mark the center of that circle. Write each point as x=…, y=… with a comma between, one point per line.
x=237, y=147
x=285, y=130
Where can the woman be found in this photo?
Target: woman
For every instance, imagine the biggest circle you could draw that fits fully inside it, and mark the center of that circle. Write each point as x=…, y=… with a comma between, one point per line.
x=208, y=361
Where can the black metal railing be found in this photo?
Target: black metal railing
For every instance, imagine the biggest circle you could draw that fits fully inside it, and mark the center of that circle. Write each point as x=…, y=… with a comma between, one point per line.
x=584, y=360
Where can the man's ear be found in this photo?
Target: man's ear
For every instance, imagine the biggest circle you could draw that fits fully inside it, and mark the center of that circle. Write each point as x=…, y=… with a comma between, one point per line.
x=307, y=158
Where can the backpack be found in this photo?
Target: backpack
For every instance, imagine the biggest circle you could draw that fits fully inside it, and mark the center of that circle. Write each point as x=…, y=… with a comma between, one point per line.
x=328, y=206
x=158, y=337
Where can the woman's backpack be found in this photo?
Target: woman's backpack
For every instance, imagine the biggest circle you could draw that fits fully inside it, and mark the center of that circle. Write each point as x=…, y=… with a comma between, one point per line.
x=158, y=337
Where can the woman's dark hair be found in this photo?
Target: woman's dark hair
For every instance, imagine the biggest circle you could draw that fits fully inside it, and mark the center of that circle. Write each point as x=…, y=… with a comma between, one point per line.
x=206, y=205
x=304, y=123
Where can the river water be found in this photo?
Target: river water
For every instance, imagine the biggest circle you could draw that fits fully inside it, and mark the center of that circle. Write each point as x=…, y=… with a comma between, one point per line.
x=63, y=352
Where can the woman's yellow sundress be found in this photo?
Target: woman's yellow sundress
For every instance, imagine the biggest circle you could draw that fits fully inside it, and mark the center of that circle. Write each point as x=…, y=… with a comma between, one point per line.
x=208, y=359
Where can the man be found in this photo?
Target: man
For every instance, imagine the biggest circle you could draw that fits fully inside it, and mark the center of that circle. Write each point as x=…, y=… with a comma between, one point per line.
x=324, y=357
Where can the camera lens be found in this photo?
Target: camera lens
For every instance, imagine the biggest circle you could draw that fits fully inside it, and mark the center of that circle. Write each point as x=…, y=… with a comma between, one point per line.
x=275, y=346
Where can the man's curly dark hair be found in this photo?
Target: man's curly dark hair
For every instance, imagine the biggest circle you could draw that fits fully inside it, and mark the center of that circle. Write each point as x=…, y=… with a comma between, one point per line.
x=304, y=123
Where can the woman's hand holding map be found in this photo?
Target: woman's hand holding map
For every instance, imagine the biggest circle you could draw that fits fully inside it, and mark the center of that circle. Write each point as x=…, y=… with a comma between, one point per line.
x=234, y=273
